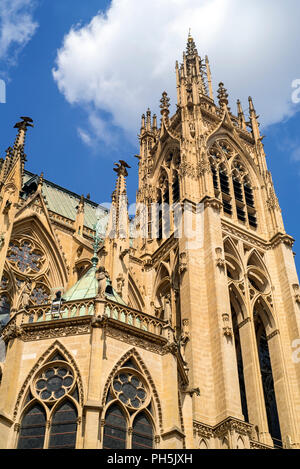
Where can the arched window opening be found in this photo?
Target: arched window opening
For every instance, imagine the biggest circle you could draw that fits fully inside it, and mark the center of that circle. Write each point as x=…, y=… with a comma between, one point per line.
x=267, y=381
x=166, y=211
x=250, y=204
x=50, y=392
x=224, y=185
x=224, y=182
x=33, y=427
x=240, y=366
x=149, y=219
x=115, y=429
x=64, y=427
x=160, y=216
x=142, y=435
x=175, y=188
x=215, y=180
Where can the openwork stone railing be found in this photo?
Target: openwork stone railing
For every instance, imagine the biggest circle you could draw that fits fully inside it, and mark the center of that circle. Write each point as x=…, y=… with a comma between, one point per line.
x=84, y=308
x=134, y=318
x=68, y=310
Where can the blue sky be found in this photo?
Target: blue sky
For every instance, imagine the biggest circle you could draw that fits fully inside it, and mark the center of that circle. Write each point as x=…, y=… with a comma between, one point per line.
x=85, y=79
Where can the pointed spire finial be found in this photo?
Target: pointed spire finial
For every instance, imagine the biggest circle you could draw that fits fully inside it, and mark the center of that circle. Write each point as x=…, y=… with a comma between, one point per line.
x=191, y=50
x=121, y=168
x=241, y=115
x=165, y=104
x=41, y=180
x=22, y=129
x=222, y=95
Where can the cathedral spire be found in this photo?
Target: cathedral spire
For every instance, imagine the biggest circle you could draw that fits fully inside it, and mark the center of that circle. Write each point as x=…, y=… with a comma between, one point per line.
x=22, y=129
x=254, y=120
x=17, y=151
x=208, y=73
x=119, y=212
x=191, y=76
x=241, y=115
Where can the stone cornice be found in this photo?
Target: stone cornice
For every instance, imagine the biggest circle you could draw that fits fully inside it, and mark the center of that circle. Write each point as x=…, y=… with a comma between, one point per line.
x=228, y=425
x=55, y=328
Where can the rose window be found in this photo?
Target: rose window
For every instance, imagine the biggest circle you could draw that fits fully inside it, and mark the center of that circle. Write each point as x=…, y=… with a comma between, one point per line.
x=40, y=296
x=25, y=257
x=54, y=383
x=129, y=389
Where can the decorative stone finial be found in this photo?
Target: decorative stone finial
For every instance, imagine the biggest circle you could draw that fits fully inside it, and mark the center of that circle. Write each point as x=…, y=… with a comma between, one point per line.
x=165, y=104
x=121, y=168
x=222, y=95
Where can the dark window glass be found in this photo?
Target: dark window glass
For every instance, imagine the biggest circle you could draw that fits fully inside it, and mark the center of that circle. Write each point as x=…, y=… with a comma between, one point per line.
x=24, y=257
x=130, y=364
x=215, y=178
x=32, y=432
x=175, y=188
x=249, y=196
x=252, y=220
x=64, y=427
x=75, y=394
x=58, y=357
x=269, y=392
x=224, y=182
x=240, y=214
x=142, y=436
x=115, y=429
x=227, y=207
x=237, y=186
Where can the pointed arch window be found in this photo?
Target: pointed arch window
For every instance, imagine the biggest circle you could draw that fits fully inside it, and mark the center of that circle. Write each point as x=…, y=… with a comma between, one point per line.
x=64, y=427
x=33, y=427
x=142, y=435
x=243, y=194
x=267, y=381
x=53, y=392
x=115, y=430
x=175, y=187
x=215, y=180
x=160, y=215
x=129, y=407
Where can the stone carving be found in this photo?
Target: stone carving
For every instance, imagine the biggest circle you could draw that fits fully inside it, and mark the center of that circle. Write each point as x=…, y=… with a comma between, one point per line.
x=166, y=300
x=297, y=292
x=182, y=262
x=25, y=295
x=226, y=325
x=101, y=276
x=220, y=261
x=120, y=284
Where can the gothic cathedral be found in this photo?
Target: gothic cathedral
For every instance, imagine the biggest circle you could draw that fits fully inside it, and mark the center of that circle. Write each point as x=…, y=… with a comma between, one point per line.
x=166, y=339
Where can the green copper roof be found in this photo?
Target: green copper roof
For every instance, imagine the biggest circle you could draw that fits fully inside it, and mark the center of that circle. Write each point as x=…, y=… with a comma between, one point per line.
x=64, y=202
x=87, y=287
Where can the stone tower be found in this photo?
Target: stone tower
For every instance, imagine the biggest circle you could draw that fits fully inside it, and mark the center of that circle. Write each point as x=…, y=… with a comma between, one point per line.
x=178, y=329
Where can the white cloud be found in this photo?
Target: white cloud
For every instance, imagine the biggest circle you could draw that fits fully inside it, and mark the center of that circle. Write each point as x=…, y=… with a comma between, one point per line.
x=122, y=60
x=16, y=27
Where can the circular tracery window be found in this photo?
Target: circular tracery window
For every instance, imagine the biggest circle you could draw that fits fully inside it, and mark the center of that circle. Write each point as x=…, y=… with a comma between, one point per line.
x=25, y=256
x=130, y=389
x=54, y=383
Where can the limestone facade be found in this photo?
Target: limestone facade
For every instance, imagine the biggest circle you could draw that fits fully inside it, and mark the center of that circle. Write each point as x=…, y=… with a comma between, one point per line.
x=168, y=335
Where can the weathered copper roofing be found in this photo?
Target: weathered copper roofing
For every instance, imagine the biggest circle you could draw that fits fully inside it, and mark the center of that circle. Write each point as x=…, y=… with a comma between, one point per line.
x=64, y=202
x=87, y=287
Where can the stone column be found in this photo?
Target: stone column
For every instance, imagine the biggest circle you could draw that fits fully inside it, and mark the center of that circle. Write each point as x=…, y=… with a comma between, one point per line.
x=172, y=437
x=93, y=408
